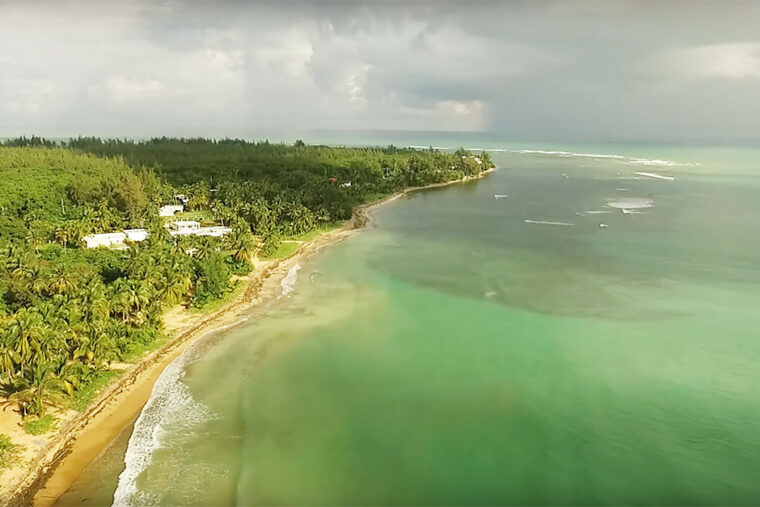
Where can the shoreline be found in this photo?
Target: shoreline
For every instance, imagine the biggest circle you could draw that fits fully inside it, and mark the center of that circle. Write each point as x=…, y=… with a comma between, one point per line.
x=82, y=438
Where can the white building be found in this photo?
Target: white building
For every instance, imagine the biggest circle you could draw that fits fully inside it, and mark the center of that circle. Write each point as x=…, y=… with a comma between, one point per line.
x=108, y=239
x=216, y=231
x=169, y=210
x=192, y=228
x=115, y=239
x=183, y=227
x=136, y=235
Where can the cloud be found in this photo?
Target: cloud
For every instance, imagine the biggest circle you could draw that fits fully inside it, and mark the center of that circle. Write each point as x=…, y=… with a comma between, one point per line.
x=26, y=96
x=525, y=70
x=124, y=89
x=715, y=61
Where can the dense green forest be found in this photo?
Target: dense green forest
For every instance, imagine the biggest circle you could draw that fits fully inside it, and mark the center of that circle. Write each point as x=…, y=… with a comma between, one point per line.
x=68, y=312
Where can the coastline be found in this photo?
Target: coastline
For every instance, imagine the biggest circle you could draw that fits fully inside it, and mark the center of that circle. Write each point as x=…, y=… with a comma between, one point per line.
x=81, y=438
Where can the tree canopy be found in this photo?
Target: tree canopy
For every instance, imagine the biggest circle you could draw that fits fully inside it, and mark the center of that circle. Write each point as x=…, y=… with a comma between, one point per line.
x=67, y=312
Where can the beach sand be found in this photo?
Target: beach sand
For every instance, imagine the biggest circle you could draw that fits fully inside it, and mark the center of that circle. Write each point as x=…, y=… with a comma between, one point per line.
x=49, y=469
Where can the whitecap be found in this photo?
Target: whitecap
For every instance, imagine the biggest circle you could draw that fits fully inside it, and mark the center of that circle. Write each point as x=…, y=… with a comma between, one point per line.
x=655, y=175
x=500, y=196
x=658, y=162
x=630, y=203
x=545, y=222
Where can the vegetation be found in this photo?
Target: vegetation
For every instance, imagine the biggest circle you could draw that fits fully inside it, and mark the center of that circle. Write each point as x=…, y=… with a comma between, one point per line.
x=67, y=312
x=40, y=425
x=8, y=452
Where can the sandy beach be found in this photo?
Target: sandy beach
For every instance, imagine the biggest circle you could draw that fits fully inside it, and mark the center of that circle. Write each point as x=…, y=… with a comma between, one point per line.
x=49, y=472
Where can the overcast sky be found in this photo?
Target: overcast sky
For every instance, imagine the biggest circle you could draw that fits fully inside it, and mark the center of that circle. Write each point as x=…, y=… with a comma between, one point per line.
x=541, y=70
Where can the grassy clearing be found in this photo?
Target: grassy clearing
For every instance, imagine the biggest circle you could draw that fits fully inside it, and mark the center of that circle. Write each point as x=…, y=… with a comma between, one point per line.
x=283, y=250
x=289, y=244
x=86, y=393
x=198, y=216
x=315, y=232
x=138, y=349
x=40, y=425
x=8, y=452
x=374, y=197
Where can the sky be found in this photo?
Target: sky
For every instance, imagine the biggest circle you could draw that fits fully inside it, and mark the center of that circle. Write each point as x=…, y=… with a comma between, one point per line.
x=673, y=71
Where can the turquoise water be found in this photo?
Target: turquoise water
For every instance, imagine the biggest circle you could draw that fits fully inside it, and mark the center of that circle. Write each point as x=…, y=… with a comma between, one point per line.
x=456, y=354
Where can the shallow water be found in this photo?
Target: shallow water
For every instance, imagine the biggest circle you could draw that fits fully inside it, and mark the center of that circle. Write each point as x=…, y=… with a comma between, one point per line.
x=458, y=354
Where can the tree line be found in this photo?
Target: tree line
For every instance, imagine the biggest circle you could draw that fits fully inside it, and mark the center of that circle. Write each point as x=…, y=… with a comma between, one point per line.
x=66, y=312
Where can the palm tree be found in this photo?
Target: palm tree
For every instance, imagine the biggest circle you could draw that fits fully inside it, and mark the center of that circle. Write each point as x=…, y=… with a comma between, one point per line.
x=131, y=300
x=33, y=394
x=61, y=235
x=62, y=280
x=241, y=241
x=25, y=331
x=105, y=219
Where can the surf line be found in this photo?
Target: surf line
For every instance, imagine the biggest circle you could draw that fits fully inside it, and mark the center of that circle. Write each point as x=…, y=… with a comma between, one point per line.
x=543, y=222
x=655, y=175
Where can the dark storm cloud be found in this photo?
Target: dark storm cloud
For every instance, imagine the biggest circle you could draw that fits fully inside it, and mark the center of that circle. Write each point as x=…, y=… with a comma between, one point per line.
x=527, y=70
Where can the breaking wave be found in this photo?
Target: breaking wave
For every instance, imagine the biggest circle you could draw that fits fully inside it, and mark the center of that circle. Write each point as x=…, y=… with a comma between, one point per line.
x=288, y=283
x=570, y=154
x=630, y=203
x=661, y=163
x=544, y=222
x=171, y=405
x=656, y=176
x=420, y=147
x=621, y=158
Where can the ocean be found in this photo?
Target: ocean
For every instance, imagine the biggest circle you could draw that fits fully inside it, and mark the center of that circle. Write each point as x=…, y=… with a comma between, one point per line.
x=574, y=329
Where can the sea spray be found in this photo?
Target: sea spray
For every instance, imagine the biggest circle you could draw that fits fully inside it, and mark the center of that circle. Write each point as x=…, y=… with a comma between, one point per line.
x=288, y=283
x=170, y=405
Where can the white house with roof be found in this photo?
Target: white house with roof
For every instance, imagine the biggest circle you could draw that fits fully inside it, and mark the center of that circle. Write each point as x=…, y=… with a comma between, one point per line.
x=193, y=228
x=107, y=239
x=136, y=235
x=215, y=231
x=169, y=210
x=115, y=239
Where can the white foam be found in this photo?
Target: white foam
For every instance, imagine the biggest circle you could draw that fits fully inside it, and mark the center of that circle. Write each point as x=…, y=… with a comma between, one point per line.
x=655, y=175
x=500, y=196
x=544, y=222
x=288, y=283
x=571, y=154
x=486, y=149
x=629, y=203
x=622, y=158
x=661, y=163
x=596, y=212
x=171, y=405
x=420, y=147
